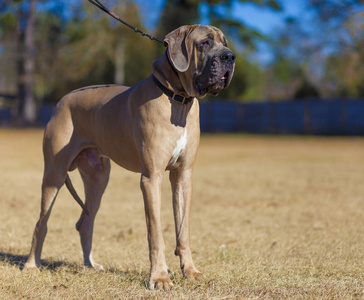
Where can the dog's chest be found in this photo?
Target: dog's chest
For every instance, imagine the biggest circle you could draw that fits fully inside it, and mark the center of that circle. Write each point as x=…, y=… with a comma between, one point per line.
x=180, y=146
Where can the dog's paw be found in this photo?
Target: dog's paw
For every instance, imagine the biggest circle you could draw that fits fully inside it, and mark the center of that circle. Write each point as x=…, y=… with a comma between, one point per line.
x=98, y=267
x=95, y=266
x=162, y=282
x=29, y=268
x=193, y=274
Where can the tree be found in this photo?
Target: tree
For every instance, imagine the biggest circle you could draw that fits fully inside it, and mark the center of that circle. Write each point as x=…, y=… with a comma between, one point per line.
x=71, y=46
x=306, y=90
x=291, y=48
x=19, y=16
x=324, y=50
x=100, y=50
x=8, y=46
x=218, y=12
x=341, y=35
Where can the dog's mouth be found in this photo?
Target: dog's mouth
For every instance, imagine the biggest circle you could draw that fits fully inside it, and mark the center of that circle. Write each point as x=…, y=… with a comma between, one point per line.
x=215, y=86
x=225, y=79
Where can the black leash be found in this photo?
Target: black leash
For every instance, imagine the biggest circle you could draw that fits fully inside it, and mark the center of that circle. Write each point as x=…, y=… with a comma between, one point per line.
x=178, y=98
x=116, y=17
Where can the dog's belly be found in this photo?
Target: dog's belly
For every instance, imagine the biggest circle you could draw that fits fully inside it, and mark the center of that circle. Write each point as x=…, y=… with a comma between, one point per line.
x=117, y=143
x=126, y=157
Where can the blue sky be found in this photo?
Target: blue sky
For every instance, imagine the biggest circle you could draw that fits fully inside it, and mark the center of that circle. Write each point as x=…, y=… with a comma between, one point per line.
x=266, y=20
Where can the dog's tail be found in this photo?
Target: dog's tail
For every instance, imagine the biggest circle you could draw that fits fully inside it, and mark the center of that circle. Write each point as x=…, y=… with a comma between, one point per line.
x=74, y=194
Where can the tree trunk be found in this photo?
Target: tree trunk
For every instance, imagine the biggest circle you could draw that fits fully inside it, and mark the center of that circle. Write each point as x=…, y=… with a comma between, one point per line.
x=26, y=65
x=119, y=76
x=120, y=62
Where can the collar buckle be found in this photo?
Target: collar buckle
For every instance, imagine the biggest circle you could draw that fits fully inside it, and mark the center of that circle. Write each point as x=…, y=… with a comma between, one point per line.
x=175, y=97
x=179, y=98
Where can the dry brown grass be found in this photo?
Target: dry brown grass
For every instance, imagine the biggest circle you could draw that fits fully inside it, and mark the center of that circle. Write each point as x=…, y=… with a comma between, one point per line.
x=272, y=218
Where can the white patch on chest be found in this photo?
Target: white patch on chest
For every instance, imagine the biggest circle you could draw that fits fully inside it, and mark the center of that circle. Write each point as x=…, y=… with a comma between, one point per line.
x=181, y=145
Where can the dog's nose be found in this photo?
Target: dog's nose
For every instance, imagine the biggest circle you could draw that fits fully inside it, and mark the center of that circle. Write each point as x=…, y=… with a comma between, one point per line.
x=228, y=57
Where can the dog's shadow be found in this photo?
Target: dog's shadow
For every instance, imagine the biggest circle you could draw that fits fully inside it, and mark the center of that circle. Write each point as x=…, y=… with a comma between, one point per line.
x=19, y=261
x=53, y=265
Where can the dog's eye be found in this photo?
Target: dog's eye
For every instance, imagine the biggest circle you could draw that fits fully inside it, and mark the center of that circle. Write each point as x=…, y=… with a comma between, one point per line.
x=204, y=44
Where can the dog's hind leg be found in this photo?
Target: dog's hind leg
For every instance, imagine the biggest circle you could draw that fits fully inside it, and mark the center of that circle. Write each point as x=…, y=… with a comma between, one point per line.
x=52, y=182
x=95, y=171
x=59, y=151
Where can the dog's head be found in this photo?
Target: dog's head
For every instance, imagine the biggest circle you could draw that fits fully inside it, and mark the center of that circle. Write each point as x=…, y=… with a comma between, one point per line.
x=200, y=55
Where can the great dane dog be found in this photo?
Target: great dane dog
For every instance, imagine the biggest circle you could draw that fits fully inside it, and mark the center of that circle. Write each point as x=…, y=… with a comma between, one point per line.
x=150, y=127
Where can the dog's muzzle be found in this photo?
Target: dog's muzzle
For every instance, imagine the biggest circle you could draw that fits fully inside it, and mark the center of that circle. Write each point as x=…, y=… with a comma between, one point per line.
x=217, y=73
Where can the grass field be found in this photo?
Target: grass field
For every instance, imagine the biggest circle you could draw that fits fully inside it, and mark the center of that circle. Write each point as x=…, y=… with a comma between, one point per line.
x=272, y=218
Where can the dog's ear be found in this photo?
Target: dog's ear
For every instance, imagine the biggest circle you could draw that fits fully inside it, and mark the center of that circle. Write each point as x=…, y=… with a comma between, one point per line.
x=179, y=51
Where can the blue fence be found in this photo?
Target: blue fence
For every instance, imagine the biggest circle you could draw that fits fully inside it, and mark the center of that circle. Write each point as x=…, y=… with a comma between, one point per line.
x=330, y=117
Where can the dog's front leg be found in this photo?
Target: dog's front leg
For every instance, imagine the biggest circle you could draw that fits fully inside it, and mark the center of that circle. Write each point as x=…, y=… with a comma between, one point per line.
x=181, y=182
x=151, y=188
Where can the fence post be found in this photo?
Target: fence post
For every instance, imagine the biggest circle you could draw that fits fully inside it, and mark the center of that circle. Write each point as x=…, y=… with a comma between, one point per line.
x=343, y=116
x=307, y=116
x=240, y=116
x=272, y=117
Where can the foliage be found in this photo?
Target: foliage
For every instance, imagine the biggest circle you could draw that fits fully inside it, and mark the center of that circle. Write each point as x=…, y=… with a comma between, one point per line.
x=345, y=67
x=306, y=90
x=77, y=45
x=324, y=50
x=343, y=39
x=100, y=51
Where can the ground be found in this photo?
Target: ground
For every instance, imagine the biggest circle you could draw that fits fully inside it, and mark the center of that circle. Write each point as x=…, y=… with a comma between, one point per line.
x=272, y=218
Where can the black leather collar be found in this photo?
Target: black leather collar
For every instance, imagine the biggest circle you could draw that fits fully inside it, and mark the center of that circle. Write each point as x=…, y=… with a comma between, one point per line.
x=178, y=98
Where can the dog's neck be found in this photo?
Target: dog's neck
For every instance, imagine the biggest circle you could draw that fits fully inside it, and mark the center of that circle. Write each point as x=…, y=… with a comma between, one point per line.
x=167, y=75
